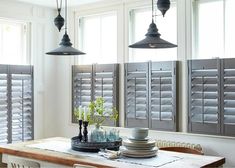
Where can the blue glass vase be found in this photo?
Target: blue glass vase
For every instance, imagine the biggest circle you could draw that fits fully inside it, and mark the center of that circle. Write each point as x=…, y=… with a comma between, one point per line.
x=98, y=134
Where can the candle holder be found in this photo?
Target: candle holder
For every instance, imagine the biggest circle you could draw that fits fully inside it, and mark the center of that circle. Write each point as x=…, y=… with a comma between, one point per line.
x=80, y=130
x=85, y=132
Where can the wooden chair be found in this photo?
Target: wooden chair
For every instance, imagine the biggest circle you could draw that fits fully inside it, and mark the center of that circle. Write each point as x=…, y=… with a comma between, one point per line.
x=182, y=150
x=14, y=162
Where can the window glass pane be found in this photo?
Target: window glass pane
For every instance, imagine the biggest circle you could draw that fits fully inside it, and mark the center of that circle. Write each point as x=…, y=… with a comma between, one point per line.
x=12, y=43
x=210, y=37
x=139, y=23
x=99, y=39
x=229, y=28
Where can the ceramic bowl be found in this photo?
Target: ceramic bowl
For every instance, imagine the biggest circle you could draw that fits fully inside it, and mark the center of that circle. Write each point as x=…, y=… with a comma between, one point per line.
x=140, y=133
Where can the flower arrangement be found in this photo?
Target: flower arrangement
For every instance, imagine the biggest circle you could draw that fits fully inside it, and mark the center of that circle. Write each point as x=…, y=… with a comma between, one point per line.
x=97, y=112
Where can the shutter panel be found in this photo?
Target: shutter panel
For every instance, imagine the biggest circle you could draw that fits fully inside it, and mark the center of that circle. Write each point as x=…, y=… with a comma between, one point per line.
x=204, y=96
x=21, y=102
x=3, y=105
x=163, y=95
x=82, y=86
x=228, y=96
x=105, y=84
x=136, y=94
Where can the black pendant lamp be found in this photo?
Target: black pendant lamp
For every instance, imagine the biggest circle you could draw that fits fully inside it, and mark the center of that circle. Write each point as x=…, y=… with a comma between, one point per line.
x=152, y=39
x=65, y=45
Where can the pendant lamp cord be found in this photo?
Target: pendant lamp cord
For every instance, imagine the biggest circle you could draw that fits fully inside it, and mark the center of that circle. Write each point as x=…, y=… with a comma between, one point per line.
x=57, y=4
x=66, y=16
x=152, y=12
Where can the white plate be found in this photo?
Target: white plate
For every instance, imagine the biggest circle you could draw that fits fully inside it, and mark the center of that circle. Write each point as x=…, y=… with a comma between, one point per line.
x=139, y=156
x=139, y=144
x=134, y=139
x=140, y=152
x=139, y=148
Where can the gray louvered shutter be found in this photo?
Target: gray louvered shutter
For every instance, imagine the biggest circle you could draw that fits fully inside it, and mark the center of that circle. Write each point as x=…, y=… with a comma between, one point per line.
x=21, y=82
x=105, y=84
x=3, y=104
x=162, y=95
x=204, y=96
x=136, y=94
x=228, y=96
x=82, y=86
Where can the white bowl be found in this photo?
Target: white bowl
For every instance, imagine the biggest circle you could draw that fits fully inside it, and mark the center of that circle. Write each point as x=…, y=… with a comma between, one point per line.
x=140, y=133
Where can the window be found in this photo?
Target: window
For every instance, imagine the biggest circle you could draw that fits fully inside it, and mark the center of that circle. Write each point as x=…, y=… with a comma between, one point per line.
x=140, y=19
x=16, y=103
x=16, y=83
x=13, y=42
x=98, y=38
x=150, y=95
x=93, y=81
x=213, y=29
x=211, y=96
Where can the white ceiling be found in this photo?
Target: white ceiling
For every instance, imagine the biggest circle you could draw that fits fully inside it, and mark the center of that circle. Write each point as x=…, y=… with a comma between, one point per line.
x=52, y=3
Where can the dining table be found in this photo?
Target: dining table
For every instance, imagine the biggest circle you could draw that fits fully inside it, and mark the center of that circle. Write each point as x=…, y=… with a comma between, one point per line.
x=57, y=152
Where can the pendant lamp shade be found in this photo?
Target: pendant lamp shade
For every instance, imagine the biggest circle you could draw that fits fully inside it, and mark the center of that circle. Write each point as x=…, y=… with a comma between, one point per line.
x=152, y=40
x=65, y=48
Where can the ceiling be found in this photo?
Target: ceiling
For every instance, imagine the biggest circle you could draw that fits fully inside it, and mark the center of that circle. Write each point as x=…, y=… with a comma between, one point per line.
x=52, y=3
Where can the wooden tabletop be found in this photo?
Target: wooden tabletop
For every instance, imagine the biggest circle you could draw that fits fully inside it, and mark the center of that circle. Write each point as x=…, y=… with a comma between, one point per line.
x=22, y=150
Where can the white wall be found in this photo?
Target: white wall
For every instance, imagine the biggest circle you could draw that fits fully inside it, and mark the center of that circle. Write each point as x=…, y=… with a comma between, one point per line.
x=42, y=38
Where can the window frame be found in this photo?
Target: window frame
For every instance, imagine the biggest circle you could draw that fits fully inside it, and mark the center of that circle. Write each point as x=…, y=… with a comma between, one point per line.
x=195, y=28
x=79, y=33
x=25, y=39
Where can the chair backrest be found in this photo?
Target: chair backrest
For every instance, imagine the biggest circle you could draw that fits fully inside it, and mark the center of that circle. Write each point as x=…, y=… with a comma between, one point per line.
x=83, y=166
x=182, y=150
x=21, y=163
x=165, y=143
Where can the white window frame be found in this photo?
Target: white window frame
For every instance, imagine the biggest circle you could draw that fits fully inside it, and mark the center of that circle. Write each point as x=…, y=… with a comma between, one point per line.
x=97, y=9
x=26, y=27
x=195, y=27
x=80, y=31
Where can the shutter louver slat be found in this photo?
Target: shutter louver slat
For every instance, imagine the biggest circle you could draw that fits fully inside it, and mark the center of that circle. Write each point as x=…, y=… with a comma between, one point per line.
x=136, y=94
x=22, y=106
x=3, y=105
x=82, y=86
x=16, y=103
x=105, y=81
x=92, y=81
x=204, y=91
x=163, y=95
x=228, y=96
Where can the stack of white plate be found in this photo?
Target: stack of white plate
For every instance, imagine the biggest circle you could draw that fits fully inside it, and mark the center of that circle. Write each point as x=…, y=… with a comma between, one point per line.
x=139, y=148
